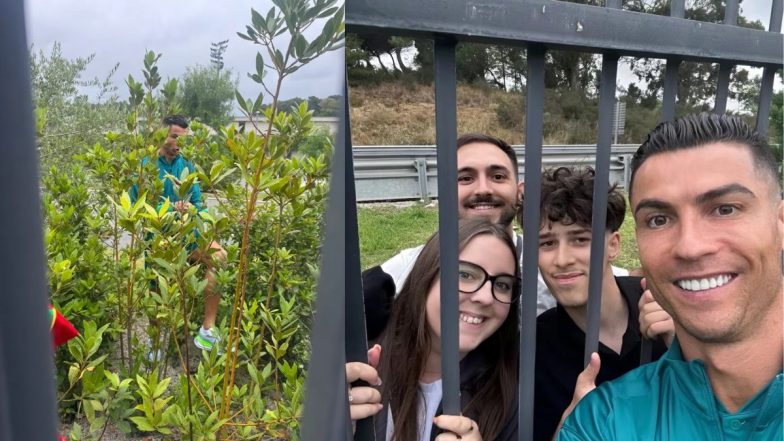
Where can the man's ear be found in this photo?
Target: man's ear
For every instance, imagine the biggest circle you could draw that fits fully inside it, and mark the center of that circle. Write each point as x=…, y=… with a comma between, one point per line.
x=520, y=191
x=613, y=246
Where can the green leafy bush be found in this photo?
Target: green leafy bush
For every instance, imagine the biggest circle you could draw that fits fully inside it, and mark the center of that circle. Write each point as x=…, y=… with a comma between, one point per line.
x=120, y=271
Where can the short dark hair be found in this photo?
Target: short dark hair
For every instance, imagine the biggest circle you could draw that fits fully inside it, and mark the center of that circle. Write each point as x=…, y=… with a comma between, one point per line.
x=175, y=120
x=472, y=138
x=567, y=198
x=697, y=130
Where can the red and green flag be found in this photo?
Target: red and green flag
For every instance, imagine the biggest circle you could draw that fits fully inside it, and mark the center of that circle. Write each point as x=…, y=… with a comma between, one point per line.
x=62, y=330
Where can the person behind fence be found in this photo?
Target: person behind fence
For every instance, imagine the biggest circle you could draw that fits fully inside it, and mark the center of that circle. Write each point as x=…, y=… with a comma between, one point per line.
x=706, y=199
x=408, y=357
x=171, y=165
x=487, y=187
x=566, y=207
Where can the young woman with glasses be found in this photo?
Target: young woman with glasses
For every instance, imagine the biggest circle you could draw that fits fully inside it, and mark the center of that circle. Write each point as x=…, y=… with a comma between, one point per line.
x=409, y=397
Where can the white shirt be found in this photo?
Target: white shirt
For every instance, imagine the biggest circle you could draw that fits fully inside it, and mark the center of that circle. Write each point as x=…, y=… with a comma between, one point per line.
x=429, y=399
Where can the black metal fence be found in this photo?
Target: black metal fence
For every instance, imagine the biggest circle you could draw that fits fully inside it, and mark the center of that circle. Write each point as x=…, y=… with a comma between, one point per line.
x=27, y=389
x=539, y=25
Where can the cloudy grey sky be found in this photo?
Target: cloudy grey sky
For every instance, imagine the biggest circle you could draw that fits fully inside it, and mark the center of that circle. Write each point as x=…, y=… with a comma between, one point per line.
x=121, y=31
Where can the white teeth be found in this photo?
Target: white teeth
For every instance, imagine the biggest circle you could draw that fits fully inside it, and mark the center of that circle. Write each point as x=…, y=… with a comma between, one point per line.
x=471, y=320
x=703, y=284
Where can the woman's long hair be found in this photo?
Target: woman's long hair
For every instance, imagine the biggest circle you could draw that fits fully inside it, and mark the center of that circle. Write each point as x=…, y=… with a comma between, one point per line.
x=406, y=344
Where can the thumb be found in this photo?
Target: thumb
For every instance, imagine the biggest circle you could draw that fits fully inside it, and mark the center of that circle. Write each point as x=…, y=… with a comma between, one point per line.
x=645, y=298
x=644, y=283
x=586, y=381
x=374, y=355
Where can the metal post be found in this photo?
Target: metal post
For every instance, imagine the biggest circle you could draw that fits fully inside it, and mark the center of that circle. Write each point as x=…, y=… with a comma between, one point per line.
x=356, y=333
x=326, y=401
x=766, y=94
x=670, y=89
x=722, y=88
x=731, y=12
x=534, y=109
x=725, y=69
x=600, y=187
x=776, y=12
x=677, y=8
x=446, y=142
x=421, y=166
x=27, y=389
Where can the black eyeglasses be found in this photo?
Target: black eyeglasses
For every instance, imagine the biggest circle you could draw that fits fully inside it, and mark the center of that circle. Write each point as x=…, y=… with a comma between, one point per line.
x=472, y=277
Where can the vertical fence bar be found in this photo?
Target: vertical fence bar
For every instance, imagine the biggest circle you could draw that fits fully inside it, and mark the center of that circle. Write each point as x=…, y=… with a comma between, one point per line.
x=731, y=12
x=5, y=406
x=326, y=400
x=27, y=384
x=677, y=8
x=722, y=88
x=446, y=145
x=356, y=334
x=600, y=187
x=670, y=89
x=534, y=109
x=725, y=69
x=776, y=12
x=766, y=93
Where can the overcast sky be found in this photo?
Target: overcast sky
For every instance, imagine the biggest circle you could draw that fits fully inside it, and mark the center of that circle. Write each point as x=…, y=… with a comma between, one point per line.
x=122, y=31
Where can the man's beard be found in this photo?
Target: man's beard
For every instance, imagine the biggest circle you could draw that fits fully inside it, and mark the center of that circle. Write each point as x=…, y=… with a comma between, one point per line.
x=508, y=211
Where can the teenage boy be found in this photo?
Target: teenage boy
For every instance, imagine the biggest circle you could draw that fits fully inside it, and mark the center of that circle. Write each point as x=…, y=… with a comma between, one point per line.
x=564, y=258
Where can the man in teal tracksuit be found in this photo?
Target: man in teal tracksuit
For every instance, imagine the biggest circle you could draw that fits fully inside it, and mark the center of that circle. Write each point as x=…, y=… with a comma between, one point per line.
x=707, y=205
x=170, y=165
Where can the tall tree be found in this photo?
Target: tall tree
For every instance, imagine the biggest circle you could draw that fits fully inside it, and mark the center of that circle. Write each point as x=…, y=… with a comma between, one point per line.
x=216, y=53
x=71, y=111
x=207, y=93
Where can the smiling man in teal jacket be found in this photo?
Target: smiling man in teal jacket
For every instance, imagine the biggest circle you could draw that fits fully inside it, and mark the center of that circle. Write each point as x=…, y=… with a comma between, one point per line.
x=707, y=205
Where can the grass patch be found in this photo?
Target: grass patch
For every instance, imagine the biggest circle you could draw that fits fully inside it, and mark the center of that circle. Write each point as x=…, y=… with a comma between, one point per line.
x=629, y=257
x=386, y=230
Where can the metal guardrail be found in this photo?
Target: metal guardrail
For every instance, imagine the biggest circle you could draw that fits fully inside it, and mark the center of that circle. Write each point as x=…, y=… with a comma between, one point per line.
x=396, y=173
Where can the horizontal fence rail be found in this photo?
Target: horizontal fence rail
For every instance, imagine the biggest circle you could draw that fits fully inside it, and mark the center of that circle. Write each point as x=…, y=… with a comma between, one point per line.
x=564, y=25
x=397, y=173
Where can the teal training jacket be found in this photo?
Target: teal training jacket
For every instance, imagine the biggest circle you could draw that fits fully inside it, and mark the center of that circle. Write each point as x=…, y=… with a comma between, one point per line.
x=672, y=399
x=175, y=168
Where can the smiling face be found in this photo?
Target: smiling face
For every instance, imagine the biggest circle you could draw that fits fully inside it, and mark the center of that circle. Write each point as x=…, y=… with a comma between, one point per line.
x=709, y=231
x=565, y=257
x=480, y=314
x=486, y=183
